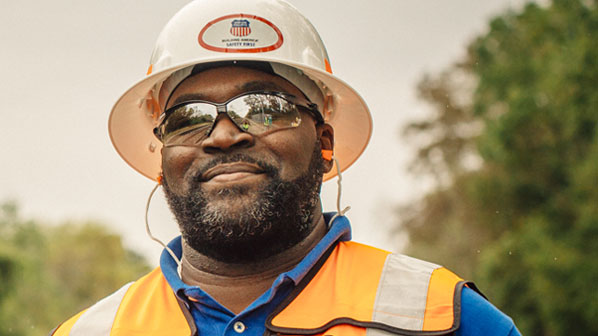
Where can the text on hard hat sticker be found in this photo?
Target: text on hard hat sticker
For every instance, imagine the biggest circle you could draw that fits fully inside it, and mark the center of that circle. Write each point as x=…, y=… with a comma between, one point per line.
x=241, y=33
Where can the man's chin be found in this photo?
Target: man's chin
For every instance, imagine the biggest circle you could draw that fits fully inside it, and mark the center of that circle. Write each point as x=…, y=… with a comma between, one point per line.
x=231, y=204
x=236, y=192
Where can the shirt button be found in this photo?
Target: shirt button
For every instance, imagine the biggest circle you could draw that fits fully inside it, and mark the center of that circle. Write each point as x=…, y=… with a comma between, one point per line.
x=239, y=327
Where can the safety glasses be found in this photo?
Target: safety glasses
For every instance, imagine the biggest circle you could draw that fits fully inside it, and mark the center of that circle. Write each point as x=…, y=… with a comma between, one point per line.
x=191, y=122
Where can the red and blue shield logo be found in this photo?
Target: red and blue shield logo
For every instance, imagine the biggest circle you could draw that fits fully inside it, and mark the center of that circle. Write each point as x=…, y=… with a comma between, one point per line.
x=240, y=28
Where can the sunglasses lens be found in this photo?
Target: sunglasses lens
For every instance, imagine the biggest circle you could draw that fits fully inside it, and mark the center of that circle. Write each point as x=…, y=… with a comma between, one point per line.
x=188, y=124
x=259, y=113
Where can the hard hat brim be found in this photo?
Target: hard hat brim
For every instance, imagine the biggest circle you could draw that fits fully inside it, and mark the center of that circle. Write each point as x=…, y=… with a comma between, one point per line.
x=131, y=124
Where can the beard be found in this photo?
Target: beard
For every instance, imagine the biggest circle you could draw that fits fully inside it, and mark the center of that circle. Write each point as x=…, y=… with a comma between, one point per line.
x=267, y=222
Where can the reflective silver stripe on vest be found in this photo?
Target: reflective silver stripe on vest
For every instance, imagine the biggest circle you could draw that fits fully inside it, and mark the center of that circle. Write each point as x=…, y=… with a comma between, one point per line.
x=402, y=293
x=98, y=319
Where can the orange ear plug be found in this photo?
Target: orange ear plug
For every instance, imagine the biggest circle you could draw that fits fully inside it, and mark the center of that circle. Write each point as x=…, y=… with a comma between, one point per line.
x=327, y=154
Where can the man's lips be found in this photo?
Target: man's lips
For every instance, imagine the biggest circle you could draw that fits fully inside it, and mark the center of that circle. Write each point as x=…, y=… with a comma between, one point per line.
x=231, y=171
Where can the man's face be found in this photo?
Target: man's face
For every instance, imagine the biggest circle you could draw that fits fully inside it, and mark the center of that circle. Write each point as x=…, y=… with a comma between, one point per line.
x=238, y=196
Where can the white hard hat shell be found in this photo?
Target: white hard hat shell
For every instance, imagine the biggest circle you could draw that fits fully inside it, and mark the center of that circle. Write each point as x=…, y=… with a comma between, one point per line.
x=207, y=31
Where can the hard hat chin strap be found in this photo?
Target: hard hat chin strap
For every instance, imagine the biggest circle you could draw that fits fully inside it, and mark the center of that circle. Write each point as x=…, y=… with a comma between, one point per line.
x=149, y=233
x=339, y=212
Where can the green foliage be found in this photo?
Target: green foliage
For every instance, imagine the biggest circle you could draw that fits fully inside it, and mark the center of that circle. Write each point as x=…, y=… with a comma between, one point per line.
x=453, y=126
x=48, y=273
x=524, y=223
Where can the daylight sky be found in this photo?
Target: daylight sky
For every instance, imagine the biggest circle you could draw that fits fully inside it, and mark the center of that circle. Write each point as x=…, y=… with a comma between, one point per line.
x=64, y=64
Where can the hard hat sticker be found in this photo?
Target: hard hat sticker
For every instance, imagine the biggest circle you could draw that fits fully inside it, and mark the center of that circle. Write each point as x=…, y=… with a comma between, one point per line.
x=240, y=33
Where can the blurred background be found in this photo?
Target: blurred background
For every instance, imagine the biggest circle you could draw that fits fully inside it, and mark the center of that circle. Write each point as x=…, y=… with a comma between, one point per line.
x=484, y=156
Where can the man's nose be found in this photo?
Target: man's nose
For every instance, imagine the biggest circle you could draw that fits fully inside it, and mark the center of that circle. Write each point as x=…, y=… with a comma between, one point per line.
x=226, y=136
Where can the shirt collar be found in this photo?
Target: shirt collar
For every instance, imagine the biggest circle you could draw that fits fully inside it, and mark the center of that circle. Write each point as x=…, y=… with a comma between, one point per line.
x=340, y=230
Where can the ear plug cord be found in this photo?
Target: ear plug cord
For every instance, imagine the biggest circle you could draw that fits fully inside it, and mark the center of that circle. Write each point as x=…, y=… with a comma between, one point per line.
x=339, y=212
x=149, y=233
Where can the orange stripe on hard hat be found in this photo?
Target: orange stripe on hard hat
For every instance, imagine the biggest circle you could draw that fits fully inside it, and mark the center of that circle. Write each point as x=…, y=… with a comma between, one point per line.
x=328, y=67
x=439, y=313
x=149, y=70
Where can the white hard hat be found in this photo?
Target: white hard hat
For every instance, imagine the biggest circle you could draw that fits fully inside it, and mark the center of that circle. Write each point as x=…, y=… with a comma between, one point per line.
x=210, y=31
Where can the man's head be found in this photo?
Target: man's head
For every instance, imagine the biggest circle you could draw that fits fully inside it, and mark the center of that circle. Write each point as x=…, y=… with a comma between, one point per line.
x=239, y=196
x=205, y=32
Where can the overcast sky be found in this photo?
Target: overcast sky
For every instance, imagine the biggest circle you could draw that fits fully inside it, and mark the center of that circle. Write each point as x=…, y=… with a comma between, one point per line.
x=64, y=64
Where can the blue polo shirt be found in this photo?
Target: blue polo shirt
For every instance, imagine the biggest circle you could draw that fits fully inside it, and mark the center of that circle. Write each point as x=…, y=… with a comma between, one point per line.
x=478, y=316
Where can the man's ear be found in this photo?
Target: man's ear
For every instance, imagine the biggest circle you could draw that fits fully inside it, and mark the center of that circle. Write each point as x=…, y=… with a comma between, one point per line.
x=326, y=136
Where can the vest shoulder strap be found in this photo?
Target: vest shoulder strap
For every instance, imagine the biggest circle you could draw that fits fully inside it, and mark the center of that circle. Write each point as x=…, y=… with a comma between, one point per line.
x=145, y=307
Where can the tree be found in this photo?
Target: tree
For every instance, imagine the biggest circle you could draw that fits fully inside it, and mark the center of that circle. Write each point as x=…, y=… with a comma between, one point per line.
x=48, y=273
x=441, y=226
x=528, y=215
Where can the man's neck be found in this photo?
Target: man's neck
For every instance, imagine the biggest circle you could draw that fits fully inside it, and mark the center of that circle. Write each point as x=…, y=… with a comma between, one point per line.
x=235, y=286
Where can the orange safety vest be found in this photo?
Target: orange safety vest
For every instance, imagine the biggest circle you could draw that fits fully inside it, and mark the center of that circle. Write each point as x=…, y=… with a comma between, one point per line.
x=353, y=290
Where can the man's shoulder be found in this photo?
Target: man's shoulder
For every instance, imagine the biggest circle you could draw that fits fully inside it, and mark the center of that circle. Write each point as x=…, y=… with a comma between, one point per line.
x=480, y=317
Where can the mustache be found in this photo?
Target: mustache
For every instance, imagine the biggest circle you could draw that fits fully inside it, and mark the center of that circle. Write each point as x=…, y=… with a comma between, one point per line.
x=268, y=169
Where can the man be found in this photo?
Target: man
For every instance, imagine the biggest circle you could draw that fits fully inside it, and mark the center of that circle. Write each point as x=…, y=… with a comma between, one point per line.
x=240, y=119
